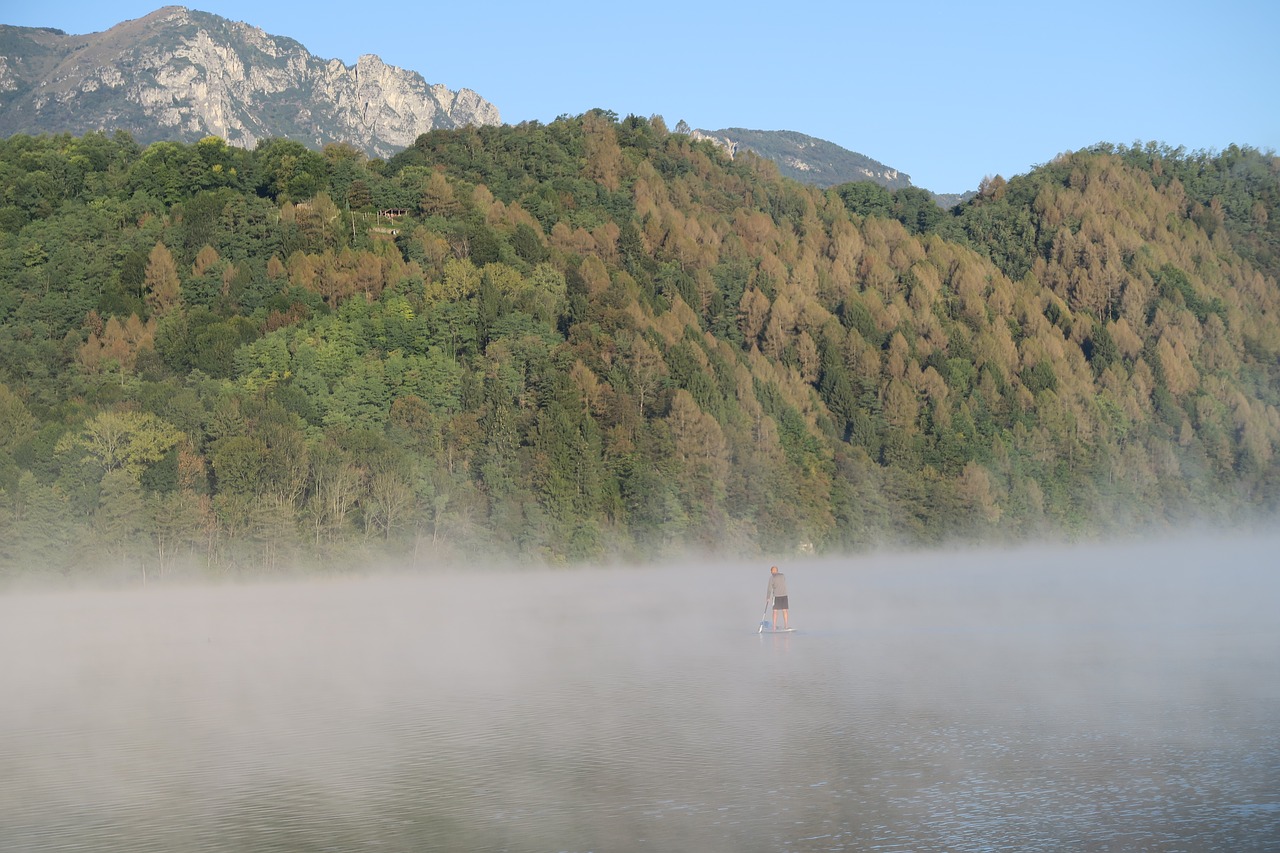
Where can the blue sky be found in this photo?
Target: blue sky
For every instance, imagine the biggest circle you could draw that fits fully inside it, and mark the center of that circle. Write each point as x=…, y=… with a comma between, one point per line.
x=947, y=92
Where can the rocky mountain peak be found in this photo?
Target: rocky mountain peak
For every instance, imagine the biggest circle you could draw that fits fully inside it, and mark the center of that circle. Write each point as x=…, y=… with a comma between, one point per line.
x=183, y=74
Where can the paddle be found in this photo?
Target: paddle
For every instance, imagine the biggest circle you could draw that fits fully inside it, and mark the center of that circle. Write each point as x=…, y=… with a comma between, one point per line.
x=764, y=620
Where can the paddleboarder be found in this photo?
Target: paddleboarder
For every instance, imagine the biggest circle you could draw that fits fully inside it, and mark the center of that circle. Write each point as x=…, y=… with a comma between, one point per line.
x=777, y=591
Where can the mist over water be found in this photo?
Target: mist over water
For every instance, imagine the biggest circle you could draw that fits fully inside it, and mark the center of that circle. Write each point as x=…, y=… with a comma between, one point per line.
x=1099, y=698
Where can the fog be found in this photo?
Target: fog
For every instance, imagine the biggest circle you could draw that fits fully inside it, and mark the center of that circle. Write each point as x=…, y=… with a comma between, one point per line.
x=1105, y=697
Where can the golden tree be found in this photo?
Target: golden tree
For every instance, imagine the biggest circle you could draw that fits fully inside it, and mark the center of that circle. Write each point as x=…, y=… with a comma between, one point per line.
x=161, y=284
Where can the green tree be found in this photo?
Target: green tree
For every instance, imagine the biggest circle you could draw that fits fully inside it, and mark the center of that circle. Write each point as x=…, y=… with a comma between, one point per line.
x=39, y=530
x=121, y=520
x=125, y=441
x=866, y=198
x=238, y=463
x=177, y=522
x=289, y=169
x=16, y=421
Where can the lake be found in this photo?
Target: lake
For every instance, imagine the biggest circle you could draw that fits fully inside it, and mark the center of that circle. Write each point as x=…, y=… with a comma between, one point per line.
x=1120, y=697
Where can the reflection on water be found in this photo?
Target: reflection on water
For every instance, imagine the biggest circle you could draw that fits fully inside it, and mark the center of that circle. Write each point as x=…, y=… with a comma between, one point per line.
x=1123, y=698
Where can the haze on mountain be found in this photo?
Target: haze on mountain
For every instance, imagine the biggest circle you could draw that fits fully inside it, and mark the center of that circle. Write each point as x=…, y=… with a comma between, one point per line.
x=180, y=74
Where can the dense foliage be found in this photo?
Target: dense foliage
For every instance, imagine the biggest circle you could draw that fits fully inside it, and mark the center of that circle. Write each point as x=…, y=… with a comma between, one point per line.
x=597, y=339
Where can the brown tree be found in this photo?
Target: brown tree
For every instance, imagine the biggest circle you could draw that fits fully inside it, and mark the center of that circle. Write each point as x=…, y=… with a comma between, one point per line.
x=161, y=284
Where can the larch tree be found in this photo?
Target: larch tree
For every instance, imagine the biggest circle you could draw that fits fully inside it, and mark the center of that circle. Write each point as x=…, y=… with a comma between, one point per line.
x=161, y=284
x=604, y=156
x=753, y=310
x=205, y=258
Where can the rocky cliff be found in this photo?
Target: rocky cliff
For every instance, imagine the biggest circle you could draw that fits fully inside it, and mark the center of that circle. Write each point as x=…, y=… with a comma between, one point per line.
x=183, y=74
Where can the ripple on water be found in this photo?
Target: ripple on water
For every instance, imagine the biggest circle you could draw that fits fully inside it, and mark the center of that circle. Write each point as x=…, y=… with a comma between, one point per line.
x=926, y=705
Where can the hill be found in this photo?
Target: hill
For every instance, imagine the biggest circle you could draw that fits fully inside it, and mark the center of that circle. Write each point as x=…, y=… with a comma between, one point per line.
x=597, y=339
x=179, y=74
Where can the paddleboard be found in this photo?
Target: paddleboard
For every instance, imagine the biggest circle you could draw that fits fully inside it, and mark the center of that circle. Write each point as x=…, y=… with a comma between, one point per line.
x=778, y=631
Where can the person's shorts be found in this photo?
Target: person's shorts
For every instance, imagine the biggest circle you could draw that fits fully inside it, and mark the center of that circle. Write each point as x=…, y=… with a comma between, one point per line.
x=780, y=602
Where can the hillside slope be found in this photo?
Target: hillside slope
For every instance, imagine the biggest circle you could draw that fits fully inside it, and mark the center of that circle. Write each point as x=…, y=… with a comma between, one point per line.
x=596, y=339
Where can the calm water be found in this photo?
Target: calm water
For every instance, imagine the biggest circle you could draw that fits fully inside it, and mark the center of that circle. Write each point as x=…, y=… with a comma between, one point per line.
x=1123, y=698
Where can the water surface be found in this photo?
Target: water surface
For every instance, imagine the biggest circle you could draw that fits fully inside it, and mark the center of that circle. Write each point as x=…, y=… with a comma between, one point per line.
x=1104, y=698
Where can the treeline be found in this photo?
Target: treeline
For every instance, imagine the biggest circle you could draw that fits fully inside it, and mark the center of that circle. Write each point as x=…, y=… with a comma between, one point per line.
x=596, y=339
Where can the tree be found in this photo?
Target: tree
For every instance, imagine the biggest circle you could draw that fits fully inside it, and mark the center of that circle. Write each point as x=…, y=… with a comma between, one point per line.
x=866, y=198
x=121, y=519
x=238, y=463
x=700, y=447
x=916, y=209
x=336, y=484
x=177, y=521
x=290, y=169
x=126, y=441
x=205, y=258
x=437, y=196
x=38, y=529
x=975, y=491
x=753, y=311
x=16, y=421
x=604, y=156
x=647, y=371
x=389, y=499
x=992, y=188
x=118, y=345
x=161, y=284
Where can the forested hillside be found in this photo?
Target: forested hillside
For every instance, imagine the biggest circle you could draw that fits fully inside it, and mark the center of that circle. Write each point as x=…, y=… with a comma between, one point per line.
x=595, y=339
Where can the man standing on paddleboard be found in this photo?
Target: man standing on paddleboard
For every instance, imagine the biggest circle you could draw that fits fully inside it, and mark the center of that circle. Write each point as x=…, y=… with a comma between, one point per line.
x=778, y=592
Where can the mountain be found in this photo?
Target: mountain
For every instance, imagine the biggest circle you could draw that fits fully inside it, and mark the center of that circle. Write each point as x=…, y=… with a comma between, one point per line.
x=814, y=161
x=806, y=158
x=596, y=339
x=180, y=74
